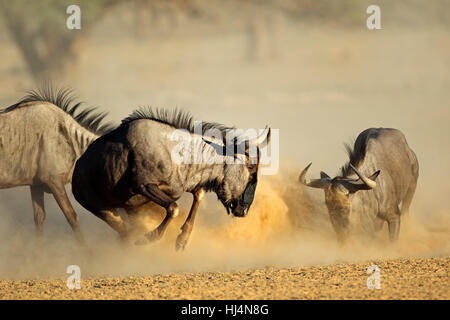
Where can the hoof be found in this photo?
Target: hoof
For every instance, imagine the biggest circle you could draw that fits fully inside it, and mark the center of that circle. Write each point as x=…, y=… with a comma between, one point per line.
x=141, y=242
x=180, y=244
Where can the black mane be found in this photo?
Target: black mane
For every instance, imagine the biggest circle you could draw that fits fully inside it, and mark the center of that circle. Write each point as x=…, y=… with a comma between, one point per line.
x=63, y=98
x=176, y=118
x=357, y=154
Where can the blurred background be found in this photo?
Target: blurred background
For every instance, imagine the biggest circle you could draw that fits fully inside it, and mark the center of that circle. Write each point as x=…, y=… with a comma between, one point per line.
x=310, y=68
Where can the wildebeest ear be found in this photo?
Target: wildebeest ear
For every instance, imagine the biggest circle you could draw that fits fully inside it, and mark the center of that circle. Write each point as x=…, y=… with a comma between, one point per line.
x=367, y=181
x=374, y=175
x=353, y=187
x=323, y=175
x=319, y=183
x=220, y=150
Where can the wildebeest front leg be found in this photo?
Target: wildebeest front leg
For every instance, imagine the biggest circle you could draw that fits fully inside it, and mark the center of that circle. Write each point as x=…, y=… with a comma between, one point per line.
x=115, y=221
x=159, y=197
x=188, y=225
x=394, y=224
x=37, y=197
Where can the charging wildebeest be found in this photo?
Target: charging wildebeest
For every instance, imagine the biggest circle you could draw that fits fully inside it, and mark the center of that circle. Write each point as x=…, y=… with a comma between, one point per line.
x=385, y=154
x=133, y=164
x=41, y=137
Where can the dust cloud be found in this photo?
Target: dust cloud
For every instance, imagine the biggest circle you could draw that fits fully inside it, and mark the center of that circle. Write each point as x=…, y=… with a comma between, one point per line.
x=286, y=227
x=320, y=82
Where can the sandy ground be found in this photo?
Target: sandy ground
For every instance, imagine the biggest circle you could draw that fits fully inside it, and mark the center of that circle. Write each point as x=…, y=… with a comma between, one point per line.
x=323, y=86
x=400, y=279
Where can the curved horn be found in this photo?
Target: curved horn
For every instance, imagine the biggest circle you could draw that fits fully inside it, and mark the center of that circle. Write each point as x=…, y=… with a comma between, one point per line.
x=264, y=138
x=261, y=141
x=302, y=178
x=367, y=181
x=316, y=183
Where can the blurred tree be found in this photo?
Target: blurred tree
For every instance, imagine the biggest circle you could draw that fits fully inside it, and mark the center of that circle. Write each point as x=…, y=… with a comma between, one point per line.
x=164, y=15
x=39, y=30
x=262, y=29
x=263, y=19
x=50, y=50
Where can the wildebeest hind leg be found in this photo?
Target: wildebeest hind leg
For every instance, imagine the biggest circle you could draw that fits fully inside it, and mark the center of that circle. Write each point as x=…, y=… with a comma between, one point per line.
x=37, y=197
x=378, y=224
x=159, y=197
x=60, y=195
x=188, y=225
x=406, y=202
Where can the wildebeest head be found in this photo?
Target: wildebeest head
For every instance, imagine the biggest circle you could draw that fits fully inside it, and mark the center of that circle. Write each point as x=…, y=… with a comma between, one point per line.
x=338, y=195
x=237, y=188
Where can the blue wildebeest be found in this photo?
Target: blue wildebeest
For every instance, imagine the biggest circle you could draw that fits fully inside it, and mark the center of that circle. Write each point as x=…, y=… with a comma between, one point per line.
x=133, y=164
x=41, y=137
x=384, y=155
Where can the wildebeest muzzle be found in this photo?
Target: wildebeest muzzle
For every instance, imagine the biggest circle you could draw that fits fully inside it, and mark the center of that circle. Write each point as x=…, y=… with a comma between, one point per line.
x=240, y=207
